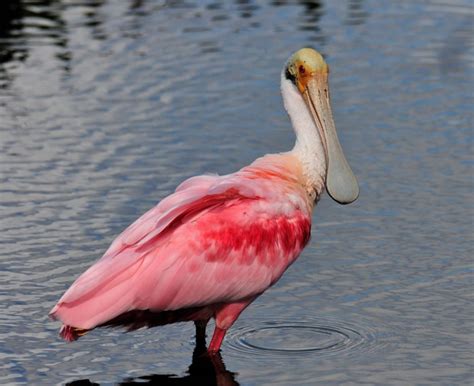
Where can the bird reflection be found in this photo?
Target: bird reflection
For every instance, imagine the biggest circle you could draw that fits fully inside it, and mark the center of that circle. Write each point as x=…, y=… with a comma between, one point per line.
x=204, y=370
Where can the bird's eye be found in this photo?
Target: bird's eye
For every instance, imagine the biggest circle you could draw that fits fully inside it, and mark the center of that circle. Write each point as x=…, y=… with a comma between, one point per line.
x=290, y=76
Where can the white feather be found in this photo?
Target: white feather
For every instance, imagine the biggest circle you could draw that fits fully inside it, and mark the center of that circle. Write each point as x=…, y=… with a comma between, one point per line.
x=308, y=146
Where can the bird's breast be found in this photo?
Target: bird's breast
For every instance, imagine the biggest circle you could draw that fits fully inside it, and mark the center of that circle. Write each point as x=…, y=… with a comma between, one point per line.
x=244, y=235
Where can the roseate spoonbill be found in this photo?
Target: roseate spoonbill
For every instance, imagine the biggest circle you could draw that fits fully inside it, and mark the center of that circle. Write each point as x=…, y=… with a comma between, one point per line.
x=218, y=242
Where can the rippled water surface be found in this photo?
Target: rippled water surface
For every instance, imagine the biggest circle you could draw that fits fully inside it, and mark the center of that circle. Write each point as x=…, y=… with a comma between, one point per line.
x=105, y=106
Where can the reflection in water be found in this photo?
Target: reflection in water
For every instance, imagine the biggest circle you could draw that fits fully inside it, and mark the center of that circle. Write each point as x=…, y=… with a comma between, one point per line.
x=95, y=19
x=311, y=15
x=246, y=8
x=456, y=45
x=357, y=14
x=25, y=23
x=28, y=24
x=84, y=152
x=11, y=13
x=204, y=370
x=11, y=50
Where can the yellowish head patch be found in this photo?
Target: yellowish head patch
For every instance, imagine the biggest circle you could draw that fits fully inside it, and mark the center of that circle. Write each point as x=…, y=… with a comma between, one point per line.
x=304, y=64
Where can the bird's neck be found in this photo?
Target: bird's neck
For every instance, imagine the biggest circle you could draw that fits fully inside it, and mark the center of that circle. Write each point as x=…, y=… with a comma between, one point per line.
x=308, y=147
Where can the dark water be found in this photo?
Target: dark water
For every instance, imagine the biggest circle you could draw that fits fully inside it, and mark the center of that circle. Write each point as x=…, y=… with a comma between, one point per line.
x=105, y=106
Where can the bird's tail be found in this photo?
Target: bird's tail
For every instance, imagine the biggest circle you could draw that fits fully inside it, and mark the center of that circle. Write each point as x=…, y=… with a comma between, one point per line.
x=70, y=333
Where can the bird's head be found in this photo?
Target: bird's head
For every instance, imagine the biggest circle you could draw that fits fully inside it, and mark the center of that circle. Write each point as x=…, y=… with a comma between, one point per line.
x=308, y=73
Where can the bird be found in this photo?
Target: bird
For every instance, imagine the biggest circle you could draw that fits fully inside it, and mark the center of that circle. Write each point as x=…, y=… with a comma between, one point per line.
x=209, y=249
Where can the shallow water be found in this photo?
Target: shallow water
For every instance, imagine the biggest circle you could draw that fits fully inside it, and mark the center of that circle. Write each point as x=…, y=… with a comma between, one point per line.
x=105, y=106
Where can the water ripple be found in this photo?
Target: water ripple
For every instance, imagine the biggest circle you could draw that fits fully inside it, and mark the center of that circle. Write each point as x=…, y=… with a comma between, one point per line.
x=320, y=337
x=106, y=106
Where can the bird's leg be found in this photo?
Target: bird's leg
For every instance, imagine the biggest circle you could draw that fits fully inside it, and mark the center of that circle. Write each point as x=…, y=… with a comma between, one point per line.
x=201, y=331
x=225, y=317
x=216, y=340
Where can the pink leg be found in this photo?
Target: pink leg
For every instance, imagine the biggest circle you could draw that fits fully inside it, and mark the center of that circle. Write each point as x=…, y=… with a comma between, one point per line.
x=225, y=318
x=216, y=340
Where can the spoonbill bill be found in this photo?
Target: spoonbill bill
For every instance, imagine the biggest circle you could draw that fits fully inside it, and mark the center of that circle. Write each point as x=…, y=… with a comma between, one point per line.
x=218, y=242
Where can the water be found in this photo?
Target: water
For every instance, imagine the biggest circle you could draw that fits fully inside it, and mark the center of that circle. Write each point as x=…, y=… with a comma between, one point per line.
x=105, y=106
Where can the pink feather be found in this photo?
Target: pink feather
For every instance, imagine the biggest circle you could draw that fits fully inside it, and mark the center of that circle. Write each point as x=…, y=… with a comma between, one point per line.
x=207, y=250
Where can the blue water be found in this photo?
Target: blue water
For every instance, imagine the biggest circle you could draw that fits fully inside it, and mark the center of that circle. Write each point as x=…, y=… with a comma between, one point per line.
x=105, y=106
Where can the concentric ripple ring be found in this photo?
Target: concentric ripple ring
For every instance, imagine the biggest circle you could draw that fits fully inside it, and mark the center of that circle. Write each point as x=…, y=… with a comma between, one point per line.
x=322, y=337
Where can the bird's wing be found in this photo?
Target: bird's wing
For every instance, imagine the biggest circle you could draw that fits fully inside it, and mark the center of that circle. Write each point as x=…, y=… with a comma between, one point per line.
x=216, y=239
x=157, y=218
x=122, y=252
